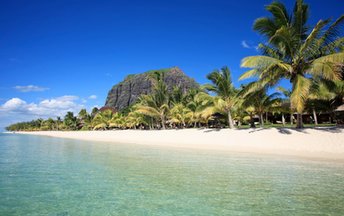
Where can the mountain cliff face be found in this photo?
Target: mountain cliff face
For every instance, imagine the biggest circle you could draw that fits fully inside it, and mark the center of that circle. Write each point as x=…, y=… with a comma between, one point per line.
x=127, y=92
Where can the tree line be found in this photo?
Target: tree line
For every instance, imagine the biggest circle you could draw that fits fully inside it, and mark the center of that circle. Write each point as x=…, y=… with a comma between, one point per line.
x=311, y=58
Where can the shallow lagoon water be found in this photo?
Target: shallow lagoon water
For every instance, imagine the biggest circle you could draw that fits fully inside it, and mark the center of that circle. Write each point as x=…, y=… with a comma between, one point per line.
x=51, y=176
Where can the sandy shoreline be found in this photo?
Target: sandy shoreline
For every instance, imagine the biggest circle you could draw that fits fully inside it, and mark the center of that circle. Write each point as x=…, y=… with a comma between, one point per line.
x=310, y=143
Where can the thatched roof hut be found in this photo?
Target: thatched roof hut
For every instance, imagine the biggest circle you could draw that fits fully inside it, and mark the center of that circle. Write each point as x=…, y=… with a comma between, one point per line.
x=340, y=108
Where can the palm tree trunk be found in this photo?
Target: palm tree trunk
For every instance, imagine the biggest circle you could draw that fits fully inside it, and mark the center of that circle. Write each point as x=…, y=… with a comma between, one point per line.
x=252, y=125
x=315, y=117
x=283, y=119
x=230, y=120
x=291, y=119
x=261, y=119
x=163, y=122
x=299, y=123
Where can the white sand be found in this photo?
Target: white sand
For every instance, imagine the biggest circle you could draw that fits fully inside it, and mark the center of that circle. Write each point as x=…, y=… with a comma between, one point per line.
x=311, y=143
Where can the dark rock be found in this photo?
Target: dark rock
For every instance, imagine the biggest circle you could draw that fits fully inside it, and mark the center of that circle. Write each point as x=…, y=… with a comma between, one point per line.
x=127, y=92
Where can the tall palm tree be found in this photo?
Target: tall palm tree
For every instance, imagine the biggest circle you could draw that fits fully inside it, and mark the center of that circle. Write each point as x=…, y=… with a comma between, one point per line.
x=156, y=105
x=293, y=52
x=150, y=106
x=221, y=84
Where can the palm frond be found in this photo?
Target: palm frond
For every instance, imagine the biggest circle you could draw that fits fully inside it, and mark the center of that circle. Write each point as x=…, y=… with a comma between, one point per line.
x=284, y=91
x=333, y=32
x=310, y=42
x=265, y=26
x=300, y=18
x=100, y=126
x=264, y=62
x=249, y=74
x=326, y=66
x=149, y=111
x=279, y=13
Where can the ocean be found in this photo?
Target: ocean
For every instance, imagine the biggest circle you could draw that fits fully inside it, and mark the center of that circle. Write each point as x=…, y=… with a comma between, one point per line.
x=54, y=176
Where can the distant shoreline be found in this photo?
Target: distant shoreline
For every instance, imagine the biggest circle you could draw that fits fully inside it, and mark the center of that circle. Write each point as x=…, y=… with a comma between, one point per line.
x=324, y=143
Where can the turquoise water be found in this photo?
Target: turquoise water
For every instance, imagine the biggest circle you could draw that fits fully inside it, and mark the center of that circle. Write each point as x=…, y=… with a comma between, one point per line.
x=48, y=176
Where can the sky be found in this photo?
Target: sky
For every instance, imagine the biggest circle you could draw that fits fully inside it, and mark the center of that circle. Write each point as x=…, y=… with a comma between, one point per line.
x=64, y=55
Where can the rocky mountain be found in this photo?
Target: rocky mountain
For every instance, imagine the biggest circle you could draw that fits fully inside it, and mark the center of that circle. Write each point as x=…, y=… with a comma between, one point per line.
x=125, y=93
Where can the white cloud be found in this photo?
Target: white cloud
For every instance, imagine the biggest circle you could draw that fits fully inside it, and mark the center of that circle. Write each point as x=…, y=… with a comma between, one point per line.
x=92, y=97
x=16, y=109
x=13, y=104
x=30, y=88
x=245, y=45
x=64, y=102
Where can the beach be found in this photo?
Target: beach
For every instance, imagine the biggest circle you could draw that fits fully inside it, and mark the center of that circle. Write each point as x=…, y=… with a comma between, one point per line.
x=317, y=143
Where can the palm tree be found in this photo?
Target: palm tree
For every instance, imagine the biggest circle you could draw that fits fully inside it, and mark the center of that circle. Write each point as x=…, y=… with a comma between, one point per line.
x=47, y=124
x=318, y=97
x=285, y=104
x=85, y=119
x=70, y=121
x=156, y=105
x=180, y=114
x=325, y=96
x=337, y=88
x=58, y=122
x=103, y=119
x=135, y=119
x=150, y=106
x=177, y=96
x=118, y=121
x=262, y=102
x=250, y=110
x=94, y=112
x=222, y=85
x=197, y=106
x=294, y=53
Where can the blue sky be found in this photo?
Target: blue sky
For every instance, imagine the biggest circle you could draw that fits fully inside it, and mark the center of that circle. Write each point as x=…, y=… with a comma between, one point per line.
x=60, y=55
